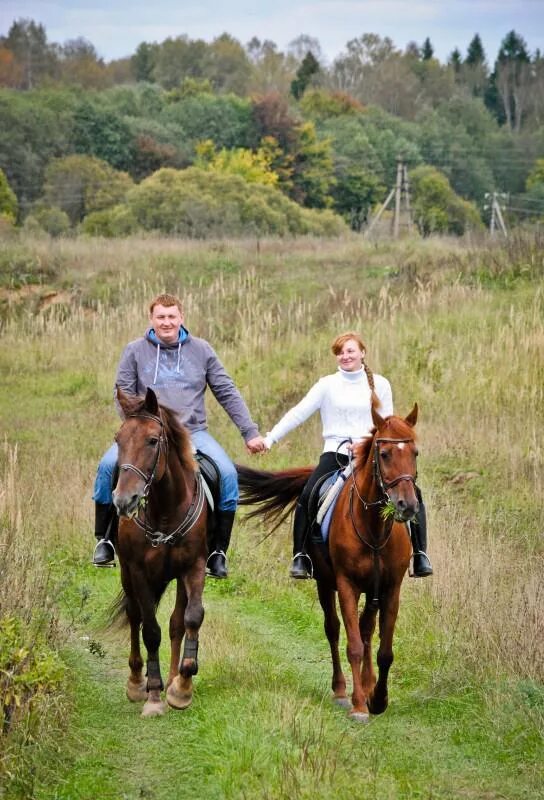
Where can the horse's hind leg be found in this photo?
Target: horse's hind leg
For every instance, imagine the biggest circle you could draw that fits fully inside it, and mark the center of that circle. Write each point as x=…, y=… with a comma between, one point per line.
x=180, y=691
x=389, y=608
x=327, y=599
x=367, y=624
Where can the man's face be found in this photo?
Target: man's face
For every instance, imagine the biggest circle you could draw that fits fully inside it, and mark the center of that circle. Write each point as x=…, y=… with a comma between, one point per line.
x=166, y=321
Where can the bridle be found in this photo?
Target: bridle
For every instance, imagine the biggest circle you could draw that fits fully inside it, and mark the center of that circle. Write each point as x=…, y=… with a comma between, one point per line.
x=384, y=486
x=157, y=538
x=162, y=441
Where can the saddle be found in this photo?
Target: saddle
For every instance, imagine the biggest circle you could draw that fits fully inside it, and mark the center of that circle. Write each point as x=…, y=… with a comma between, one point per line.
x=210, y=472
x=322, y=502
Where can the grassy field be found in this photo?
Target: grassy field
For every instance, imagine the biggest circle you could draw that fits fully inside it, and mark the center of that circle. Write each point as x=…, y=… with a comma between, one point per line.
x=457, y=326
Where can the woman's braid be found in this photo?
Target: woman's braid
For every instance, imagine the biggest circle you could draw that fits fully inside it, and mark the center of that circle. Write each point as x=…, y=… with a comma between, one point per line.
x=374, y=399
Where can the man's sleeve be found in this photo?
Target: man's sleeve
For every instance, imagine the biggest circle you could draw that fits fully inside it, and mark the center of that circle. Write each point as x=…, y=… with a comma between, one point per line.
x=127, y=376
x=228, y=396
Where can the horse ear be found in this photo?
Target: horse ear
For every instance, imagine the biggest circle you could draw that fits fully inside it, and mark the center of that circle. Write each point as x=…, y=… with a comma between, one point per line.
x=151, y=402
x=376, y=418
x=123, y=400
x=411, y=419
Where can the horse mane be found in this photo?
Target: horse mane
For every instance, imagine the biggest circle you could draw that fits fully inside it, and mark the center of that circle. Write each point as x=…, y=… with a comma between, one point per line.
x=394, y=428
x=176, y=433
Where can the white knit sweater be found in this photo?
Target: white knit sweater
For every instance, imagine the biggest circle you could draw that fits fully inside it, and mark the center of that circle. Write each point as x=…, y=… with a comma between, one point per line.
x=343, y=400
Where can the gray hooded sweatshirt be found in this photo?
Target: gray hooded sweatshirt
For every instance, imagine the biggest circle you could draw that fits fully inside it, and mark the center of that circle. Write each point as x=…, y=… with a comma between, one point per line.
x=179, y=374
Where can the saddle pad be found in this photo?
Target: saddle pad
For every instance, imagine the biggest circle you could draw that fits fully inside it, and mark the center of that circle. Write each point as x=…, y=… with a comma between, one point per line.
x=328, y=498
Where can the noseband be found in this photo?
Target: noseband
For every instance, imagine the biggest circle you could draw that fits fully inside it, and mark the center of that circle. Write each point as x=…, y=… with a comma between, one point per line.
x=161, y=441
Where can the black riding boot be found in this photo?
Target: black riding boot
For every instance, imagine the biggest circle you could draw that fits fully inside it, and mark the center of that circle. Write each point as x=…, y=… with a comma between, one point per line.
x=216, y=565
x=105, y=529
x=418, y=534
x=301, y=567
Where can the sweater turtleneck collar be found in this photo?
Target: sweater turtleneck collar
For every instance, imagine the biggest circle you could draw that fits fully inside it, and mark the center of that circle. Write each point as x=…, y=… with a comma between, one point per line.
x=353, y=377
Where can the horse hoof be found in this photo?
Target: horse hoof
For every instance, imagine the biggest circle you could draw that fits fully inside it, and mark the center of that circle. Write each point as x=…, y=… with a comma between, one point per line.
x=154, y=709
x=137, y=692
x=359, y=716
x=178, y=697
x=343, y=702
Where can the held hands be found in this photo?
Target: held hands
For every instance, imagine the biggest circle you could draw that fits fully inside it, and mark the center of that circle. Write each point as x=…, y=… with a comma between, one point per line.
x=256, y=445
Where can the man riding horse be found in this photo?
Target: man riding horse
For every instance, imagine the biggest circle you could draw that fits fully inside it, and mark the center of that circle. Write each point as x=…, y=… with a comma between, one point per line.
x=178, y=367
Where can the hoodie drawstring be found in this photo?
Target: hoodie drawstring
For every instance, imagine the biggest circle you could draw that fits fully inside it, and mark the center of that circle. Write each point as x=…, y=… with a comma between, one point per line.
x=179, y=356
x=157, y=363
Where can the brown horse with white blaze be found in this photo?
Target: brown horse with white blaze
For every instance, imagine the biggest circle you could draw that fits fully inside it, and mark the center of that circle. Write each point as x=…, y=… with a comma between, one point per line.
x=162, y=537
x=368, y=551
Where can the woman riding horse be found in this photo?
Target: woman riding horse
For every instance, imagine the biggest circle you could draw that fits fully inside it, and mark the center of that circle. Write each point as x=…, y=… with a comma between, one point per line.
x=344, y=400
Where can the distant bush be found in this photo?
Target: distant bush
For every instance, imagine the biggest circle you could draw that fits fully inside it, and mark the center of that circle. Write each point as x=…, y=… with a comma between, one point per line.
x=199, y=204
x=8, y=200
x=436, y=207
x=51, y=219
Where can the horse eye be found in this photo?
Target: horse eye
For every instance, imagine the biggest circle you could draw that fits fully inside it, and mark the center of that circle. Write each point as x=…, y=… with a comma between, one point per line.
x=153, y=441
x=384, y=454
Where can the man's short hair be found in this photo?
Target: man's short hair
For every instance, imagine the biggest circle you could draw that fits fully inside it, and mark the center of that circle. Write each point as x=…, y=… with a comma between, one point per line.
x=166, y=300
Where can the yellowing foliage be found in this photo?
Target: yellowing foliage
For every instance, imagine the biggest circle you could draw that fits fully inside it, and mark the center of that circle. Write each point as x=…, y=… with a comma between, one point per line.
x=254, y=166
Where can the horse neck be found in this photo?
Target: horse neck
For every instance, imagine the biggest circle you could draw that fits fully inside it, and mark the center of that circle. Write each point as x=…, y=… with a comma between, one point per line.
x=369, y=490
x=174, y=490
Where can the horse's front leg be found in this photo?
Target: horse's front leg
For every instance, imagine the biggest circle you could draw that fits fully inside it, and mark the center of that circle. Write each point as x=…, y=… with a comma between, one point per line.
x=151, y=634
x=180, y=691
x=389, y=609
x=177, y=630
x=136, y=685
x=349, y=595
x=367, y=625
x=327, y=599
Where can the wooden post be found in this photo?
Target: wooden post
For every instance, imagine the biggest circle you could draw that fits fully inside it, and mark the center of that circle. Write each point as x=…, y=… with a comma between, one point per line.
x=398, y=193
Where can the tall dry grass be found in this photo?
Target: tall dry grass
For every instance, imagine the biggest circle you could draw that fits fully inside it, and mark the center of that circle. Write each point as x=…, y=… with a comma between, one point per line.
x=468, y=350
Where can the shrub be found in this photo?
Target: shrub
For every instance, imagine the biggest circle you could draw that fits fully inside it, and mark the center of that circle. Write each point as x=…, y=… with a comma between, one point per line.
x=437, y=209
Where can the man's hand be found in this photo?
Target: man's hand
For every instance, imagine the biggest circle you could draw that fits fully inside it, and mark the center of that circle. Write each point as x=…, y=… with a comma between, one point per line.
x=256, y=445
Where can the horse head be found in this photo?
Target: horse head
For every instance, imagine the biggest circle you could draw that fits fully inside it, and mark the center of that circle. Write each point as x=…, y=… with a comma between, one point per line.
x=142, y=451
x=394, y=455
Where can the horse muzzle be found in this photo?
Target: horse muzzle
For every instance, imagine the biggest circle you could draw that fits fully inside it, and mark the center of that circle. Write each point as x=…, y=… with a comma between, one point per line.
x=126, y=503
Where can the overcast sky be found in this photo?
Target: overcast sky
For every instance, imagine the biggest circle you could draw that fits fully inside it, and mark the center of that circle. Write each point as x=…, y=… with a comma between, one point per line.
x=116, y=27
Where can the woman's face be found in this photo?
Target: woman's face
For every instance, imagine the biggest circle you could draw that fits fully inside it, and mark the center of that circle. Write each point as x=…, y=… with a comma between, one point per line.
x=350, y=358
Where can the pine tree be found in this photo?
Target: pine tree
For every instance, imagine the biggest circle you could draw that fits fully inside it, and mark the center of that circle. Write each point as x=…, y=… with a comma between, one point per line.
x=308, y=68
x=427, y=50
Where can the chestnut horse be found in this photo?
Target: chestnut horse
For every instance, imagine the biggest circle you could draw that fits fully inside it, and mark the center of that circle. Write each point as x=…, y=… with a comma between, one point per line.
x=162, y=536
x=368, y=552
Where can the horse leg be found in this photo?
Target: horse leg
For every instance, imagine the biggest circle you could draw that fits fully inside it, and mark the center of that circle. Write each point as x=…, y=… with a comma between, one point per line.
x=151, y=634
x=367, y=624
x=136, y=686
x=180, y=691
x=177, y=630
x=327, y=599
x=389, y=608
x=349, y=600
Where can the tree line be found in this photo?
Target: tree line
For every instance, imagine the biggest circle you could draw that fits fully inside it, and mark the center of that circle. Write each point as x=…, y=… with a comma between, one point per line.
x=82, y=136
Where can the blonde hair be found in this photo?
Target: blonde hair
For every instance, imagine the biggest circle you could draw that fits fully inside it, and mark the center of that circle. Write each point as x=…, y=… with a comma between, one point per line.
x=336, y=348
x=166, y=300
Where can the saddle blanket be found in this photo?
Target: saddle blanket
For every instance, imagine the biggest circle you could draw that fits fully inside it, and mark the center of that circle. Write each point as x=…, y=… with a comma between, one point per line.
x=329, y=494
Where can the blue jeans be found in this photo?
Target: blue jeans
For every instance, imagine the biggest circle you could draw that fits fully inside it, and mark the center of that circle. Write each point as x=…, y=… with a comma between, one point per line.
x=202, y=440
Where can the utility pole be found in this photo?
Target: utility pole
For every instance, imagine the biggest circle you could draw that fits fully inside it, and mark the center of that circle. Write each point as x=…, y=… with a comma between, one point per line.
x=496, y=214
x=399, y=191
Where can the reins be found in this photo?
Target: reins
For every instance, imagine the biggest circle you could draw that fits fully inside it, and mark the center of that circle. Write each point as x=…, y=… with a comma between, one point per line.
x=382, y=501
x=158, y=537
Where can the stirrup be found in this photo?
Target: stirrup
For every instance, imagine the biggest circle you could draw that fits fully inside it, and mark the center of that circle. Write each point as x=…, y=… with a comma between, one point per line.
x=424, y=567
x=309, y=573
x=213, y=570
x=104, y=554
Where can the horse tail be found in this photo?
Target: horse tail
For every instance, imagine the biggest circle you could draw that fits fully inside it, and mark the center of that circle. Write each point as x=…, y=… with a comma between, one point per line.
x=118, y=609
x=275, y=493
